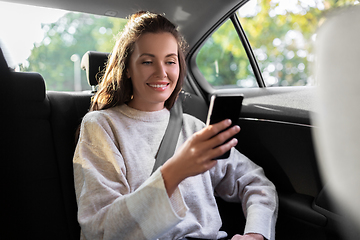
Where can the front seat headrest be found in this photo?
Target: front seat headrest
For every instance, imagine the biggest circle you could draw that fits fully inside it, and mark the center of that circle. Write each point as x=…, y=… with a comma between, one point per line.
x=94, y=62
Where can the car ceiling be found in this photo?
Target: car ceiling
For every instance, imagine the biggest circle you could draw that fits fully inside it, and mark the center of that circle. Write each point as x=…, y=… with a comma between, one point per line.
x=194, y=17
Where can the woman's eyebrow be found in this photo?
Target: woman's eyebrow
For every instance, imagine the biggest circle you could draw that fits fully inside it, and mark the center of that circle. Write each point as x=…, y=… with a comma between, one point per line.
x=152, y=55
x=147, y=54
x=171, y=55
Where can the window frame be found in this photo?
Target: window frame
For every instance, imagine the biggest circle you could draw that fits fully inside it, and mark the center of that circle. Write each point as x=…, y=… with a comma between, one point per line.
x=248, y=49
x=194, y=71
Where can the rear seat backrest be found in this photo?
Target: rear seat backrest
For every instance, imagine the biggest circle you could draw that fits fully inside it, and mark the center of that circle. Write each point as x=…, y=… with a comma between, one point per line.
x=67, y=110
x=33, y=205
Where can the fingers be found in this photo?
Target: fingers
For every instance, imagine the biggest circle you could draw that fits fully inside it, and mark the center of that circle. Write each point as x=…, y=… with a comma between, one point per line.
x=197, y=153
x=220, y=150
x=217, y=143
x=213, y=129
x=223, y=136
x=213, y=138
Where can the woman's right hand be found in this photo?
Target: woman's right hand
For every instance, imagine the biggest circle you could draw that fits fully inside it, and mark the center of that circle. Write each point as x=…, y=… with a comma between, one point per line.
x=197, y=154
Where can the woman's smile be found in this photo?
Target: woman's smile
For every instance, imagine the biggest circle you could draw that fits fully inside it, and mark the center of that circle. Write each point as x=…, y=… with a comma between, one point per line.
x=159, y=86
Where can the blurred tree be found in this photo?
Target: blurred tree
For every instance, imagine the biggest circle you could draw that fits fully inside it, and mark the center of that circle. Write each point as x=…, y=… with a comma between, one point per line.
x=281, y=33
x=74, y=33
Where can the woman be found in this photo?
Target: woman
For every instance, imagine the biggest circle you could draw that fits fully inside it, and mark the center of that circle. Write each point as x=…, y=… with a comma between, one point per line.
x=118, y=197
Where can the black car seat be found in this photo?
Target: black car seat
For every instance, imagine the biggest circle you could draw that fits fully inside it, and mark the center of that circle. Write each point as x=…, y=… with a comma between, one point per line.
x=32, y=201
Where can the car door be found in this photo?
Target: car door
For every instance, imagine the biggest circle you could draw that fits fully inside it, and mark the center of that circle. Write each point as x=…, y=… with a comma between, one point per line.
x=276, y=126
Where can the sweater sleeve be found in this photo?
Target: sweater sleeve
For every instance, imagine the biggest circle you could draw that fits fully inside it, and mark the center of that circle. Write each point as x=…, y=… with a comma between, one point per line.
x=107, y=206
x=239, y=179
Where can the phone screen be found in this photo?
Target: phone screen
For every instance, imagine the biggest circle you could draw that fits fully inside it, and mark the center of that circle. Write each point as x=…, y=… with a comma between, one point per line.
x=224, y=106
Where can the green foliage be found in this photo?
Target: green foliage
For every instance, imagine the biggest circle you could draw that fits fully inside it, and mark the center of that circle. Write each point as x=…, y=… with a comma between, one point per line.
x=75, y=33
x=222, y=59
x=281, y=35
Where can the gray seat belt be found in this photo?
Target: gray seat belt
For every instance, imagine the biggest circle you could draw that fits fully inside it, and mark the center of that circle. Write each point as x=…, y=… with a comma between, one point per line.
x=168, y=143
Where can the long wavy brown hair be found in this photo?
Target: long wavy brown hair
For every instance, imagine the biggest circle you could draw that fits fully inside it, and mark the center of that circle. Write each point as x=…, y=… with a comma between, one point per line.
x=115, y=87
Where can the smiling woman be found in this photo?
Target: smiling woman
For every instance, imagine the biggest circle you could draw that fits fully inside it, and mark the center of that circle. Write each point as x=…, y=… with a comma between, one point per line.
x=118, y=195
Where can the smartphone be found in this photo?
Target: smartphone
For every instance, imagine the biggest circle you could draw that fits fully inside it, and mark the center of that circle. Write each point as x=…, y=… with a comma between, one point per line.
x=224, y=106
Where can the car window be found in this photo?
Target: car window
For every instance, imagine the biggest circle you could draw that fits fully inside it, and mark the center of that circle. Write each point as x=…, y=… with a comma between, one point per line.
x=282, y=35
x=55, y=41
x=223, y=61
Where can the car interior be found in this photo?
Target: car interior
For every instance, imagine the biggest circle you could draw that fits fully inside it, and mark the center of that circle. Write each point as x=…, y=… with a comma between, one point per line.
x=38, y=137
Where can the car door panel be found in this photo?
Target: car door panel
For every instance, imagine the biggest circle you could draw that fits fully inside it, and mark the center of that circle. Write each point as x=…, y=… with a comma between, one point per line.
x=276, y=133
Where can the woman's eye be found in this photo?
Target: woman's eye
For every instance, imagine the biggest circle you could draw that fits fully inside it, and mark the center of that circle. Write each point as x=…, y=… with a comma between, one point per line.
x=146, y=62
x=171, y=62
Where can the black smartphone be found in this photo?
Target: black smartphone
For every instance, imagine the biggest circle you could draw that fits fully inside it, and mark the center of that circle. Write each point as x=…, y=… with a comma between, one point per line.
x=224, y=106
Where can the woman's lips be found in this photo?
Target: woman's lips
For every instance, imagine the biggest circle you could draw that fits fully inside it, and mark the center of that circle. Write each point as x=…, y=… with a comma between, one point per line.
x=159, y=86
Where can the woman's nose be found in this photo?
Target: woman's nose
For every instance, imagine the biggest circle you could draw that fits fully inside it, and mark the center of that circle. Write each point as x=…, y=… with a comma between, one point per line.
x=160, y=71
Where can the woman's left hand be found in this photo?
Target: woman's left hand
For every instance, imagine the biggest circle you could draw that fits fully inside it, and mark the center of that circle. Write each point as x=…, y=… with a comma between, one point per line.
x=249, y=236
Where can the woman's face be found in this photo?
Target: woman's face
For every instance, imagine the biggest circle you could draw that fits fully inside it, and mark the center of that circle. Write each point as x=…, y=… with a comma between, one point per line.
x=154, y=70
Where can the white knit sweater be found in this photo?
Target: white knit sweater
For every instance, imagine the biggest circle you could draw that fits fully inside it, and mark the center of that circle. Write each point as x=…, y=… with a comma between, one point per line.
x=118, y=199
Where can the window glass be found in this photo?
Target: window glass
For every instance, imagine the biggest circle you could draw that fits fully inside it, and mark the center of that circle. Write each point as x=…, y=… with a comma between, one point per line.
x=282, y=33
x=52, y=42
x=223, y=61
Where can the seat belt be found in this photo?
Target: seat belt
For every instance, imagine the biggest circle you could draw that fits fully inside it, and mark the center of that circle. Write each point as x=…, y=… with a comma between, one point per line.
x=168, y=143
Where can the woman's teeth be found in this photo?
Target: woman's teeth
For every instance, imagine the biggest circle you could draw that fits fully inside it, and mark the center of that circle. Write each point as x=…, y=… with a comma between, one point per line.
x=158, y=85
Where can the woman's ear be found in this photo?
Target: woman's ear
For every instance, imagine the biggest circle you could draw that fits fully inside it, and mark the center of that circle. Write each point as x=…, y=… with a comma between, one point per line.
x=128, y=73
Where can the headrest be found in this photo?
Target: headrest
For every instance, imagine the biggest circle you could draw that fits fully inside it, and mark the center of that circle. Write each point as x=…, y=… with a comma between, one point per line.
x=4, y=68
x=28, y=86
x=23, y=87
x=93, y=63
x=28, y=97
x=5, y=78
